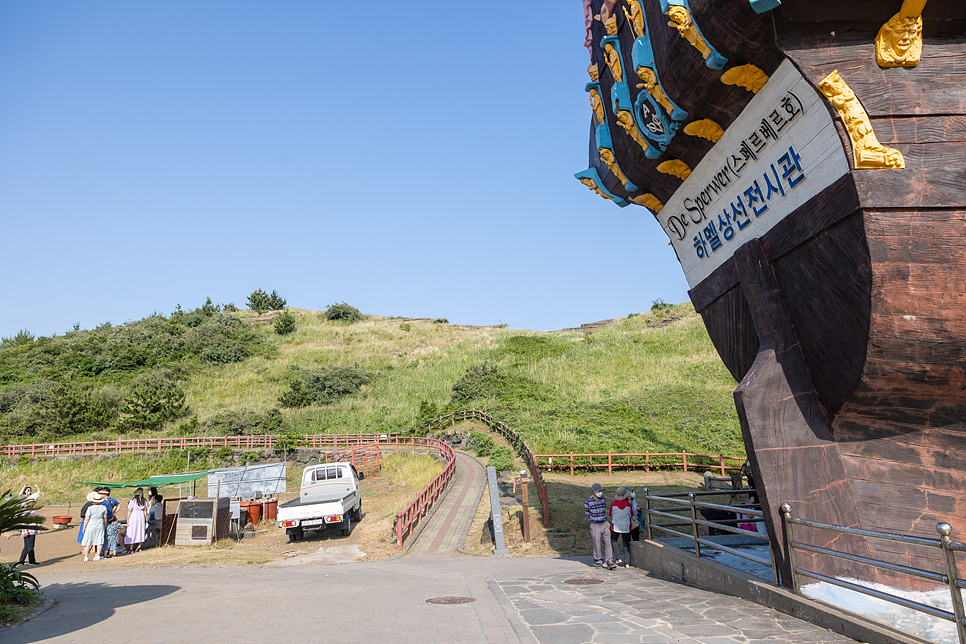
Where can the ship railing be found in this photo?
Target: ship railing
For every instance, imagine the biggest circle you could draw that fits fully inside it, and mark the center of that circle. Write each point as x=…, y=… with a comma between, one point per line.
x=949, y=579
x=690, y=503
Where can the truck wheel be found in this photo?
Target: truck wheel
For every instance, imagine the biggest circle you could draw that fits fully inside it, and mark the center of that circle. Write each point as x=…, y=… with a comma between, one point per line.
x=357, y=513
x=295, y=535
x=347, y=530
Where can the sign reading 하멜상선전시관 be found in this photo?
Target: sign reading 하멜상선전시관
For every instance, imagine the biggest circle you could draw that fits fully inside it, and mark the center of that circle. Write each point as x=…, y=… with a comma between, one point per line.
x=781, y=151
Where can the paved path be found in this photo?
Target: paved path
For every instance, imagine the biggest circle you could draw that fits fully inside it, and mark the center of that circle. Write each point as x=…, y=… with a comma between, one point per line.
x=443, y=532
x=516, y=600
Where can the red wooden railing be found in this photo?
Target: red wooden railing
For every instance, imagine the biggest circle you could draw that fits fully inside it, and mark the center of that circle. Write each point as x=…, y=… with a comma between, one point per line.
x=129, y=445
x=626, y=461
x=521, y=446
x=418, y=507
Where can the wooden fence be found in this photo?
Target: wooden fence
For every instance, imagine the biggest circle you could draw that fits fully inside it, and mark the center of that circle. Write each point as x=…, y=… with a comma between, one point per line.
x=409, y=518
x=135, y=445
x=511, y=436
x=647, y=460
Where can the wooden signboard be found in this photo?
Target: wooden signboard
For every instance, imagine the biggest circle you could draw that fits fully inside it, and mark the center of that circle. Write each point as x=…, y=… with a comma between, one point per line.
x=202, y=522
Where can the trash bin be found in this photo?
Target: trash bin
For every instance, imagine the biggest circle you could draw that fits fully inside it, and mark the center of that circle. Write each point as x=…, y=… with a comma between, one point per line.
x=270, y=509
x=252, y=510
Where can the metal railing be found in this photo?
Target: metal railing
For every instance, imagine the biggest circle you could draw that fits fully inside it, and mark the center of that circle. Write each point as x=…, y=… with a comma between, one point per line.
x=950, y=578
x=687, y=501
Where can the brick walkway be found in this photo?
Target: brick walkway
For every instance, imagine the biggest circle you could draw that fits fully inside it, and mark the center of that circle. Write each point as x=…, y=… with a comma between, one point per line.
x=442, y=534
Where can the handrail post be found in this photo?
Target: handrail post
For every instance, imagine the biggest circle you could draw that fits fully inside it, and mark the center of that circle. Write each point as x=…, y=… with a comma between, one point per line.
x=694, y=527
x=789, y=538
x=647, y=512
x=721, y=463
x=944, y=530
x=684, y=459
x=610, y=463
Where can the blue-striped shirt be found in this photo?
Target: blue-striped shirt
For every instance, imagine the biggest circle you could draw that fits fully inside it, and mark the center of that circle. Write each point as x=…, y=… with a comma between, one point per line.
x=596, y=509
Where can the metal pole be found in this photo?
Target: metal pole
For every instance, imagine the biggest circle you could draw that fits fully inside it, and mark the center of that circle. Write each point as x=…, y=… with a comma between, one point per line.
x=944, y=530
x=694, y=527
x=789, y=538
x=647, y=513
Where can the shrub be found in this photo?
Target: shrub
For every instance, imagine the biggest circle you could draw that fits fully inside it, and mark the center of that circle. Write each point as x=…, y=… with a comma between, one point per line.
x=482, y=443
x=23, y=337
x=284, y=323
x=245, y=422
x=155, y=398
x=440, y=321
x=405, y=327
x=229, y=308
x=260, y=301
x=343, y=312
x=659, y=305
x=428, y=412
x=501, y=459
x=324, y=386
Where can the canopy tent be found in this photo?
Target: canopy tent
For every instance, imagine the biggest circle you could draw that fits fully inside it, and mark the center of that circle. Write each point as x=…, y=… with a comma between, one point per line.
x=152, y=481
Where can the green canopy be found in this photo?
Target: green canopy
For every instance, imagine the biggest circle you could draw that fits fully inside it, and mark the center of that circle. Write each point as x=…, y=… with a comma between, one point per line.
x=151, y=481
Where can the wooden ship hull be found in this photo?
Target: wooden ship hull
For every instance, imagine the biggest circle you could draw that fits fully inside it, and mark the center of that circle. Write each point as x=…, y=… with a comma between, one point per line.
x=806, y=159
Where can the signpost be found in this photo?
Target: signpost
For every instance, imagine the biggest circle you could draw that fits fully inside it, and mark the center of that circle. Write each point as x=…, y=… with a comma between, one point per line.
x=496, y=514
x=523, y=479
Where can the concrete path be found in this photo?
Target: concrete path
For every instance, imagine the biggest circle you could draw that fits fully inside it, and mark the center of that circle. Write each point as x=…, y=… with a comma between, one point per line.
x=443, y=532
x=516, y=600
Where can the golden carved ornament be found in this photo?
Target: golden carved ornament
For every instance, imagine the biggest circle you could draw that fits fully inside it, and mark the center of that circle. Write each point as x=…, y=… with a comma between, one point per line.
x=649, y=201
x=867, y=152
x=598, y=106
x=626, y=121
x=614, y=62
x=653, y=88
x=610, y=25
x=607, y=156
x=747, y=76
x=635, y=18
x=675, y=167
x=592, y=70
x=705, y=128
x=682, y=21
x=590, y=183
x=899, y=41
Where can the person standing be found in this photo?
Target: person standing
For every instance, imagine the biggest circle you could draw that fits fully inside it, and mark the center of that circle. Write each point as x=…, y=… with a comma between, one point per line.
x=635, y=517
x=95, y=524
x=29, y=537
x=137, y=521
x=595, y=507
x=620, y=515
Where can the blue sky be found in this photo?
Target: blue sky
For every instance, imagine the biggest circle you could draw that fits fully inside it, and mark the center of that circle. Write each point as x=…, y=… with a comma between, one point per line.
x=409, y=159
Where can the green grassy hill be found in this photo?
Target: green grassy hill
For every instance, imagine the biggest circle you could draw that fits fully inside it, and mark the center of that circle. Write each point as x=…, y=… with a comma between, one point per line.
x=648, y=382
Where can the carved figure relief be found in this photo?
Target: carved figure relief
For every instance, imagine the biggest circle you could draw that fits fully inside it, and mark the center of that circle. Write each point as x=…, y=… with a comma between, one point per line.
x=635, y=18
x=747, y=76
x=677, y=168
x=899, y=41
x=607, y=156
x=649, y=201
x=705, y=128
x=867, y=152
x=592, y=70
x=590, y=183
x=626, y=120
x=650, y=83
x=597, y=105
x=614, y=62
x=681, y=20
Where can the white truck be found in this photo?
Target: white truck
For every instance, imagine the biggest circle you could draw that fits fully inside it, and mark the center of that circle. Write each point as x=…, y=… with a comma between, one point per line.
x=329, y=498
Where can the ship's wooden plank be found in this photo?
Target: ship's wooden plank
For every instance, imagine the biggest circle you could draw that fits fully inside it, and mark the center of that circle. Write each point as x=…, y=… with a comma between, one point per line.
x=904, y=454
x=934, y=86
x=925, y=188
x=831, y=316
x=935, y=502
x=873, y=469
x=931, y=155
x=721, y=280
x=732, y=331
x=942, y=128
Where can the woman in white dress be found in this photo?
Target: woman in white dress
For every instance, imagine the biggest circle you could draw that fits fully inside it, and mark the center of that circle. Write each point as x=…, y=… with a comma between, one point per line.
x=95, y=524
x=137, y=521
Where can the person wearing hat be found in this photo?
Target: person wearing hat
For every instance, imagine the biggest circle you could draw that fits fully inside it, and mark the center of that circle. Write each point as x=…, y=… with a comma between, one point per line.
x=137, y=521
x=595, y=507
x=95, y=526
x=620, y=528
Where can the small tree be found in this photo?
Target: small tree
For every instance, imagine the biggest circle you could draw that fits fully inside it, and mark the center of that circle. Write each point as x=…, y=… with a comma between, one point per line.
x=284, y=323
x=155, y=398
x=260, y=301
x=343, y=313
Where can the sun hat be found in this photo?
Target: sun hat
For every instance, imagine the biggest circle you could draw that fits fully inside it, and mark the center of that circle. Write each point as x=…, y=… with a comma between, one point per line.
x=596, y=486
x=94, y=497
x=621, y=493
